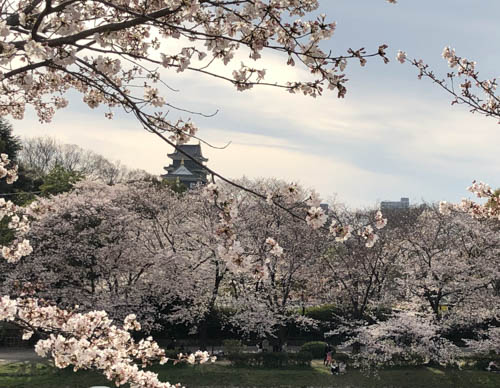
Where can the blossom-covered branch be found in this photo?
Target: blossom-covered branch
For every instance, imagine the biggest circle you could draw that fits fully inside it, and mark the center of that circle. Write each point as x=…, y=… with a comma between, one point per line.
x=465, y=84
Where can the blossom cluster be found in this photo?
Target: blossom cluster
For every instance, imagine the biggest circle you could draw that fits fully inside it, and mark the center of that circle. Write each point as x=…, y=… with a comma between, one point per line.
x=18, y=222
x=228, y=247
x=370, y=237
x=316, y=217
x=9, y=173
x=405, y=338
x=340, y=232
x=276, y=250
x=90, y=340
x=477, y=93
x=488, y=210
x=489, y=104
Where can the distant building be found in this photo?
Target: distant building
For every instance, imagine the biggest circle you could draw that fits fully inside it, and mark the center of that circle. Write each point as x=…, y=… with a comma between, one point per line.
x=404, y=203
x=184, y=170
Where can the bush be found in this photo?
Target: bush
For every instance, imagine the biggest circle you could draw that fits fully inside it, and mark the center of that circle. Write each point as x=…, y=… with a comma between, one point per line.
x=241, y=359
x=325, y=313
x=341, y=357
x=482, y=361
x=270, y=360
x=172, y=353
x=316, y=348
x=300, y=359
x=274, y=359
x=232, y=346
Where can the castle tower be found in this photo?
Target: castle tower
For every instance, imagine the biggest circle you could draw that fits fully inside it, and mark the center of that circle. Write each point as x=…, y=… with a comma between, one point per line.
x=183, y=169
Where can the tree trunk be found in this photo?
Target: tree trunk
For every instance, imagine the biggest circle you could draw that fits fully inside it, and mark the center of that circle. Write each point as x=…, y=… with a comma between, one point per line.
x=282, y=338
x=203, y=334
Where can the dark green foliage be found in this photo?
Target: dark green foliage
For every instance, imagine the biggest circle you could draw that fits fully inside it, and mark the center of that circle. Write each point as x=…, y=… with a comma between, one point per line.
x=270, y=359
x=216, y=325
x=382, y=313
x=273, y=359
x=9, y=144
x=482, y=361
x=232, y=346
x=59, y=180
x=20, y=191
x=176, y=187
x=6, y=235
x=172, y=353
x=316, y=348
x=301, y=358
x=341, y=357
x=325, y=313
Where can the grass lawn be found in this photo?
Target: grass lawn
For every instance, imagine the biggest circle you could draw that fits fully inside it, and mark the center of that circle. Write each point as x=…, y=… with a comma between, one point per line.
x=36, y=375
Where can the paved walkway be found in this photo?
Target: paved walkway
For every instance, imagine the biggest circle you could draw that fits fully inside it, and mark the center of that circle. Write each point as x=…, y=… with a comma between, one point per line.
x=9, y=355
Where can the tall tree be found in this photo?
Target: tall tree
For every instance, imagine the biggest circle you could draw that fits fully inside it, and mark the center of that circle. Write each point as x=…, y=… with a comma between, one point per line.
x=20, y=192
x=9, y=144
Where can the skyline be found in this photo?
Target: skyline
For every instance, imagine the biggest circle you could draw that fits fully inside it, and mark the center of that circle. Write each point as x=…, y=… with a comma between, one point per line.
x=392, y=136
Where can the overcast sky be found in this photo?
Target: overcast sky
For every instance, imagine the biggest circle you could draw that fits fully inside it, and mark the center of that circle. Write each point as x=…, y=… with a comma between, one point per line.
x=392, y=136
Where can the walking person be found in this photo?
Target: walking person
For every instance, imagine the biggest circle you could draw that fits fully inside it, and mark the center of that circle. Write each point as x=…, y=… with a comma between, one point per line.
x=329, y=358
x=328, y=348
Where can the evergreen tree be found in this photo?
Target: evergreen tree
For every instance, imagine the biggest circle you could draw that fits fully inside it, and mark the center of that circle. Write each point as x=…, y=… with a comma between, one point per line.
x=59, y=180
x=9, y=144
x=19, y=191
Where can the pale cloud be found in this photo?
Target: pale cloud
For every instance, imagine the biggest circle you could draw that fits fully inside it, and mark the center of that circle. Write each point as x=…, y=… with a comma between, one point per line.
x=363, y=149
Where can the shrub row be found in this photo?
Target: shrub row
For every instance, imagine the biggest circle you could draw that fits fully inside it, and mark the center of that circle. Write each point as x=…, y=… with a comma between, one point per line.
x=316, y=348
x=270, y=359
x=341, y=357
x=482, y=361
x=232, y=346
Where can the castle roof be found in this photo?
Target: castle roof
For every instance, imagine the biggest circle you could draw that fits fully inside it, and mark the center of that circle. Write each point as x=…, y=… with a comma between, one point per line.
x=182, y=170
x=193, y=150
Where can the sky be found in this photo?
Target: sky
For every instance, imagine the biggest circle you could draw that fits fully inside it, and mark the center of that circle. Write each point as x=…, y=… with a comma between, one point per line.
x=392, y=136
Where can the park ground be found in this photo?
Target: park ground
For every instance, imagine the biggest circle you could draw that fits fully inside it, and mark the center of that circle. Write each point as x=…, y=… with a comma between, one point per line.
x=22, y=369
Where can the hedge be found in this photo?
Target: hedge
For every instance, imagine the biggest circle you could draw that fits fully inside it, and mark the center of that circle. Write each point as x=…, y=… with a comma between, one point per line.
x=270, y=359
x=482, y=361
x=317, y=348
x=232, y=346
x=341, y=357
x=325, y=313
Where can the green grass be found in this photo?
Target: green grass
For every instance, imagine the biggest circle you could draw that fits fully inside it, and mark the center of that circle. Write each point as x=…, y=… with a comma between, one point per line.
x=36, y=375
x=39, y=375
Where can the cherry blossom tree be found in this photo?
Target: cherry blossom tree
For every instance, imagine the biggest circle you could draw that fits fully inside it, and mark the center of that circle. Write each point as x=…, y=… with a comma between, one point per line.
x=137, y=248
x=280, y=252
x=191, y=227
x=447, y=274
x=486, y=307
x=83, y=340
x=448, y=259
x=358, y=275
x=406, y=338
x=87, y=250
